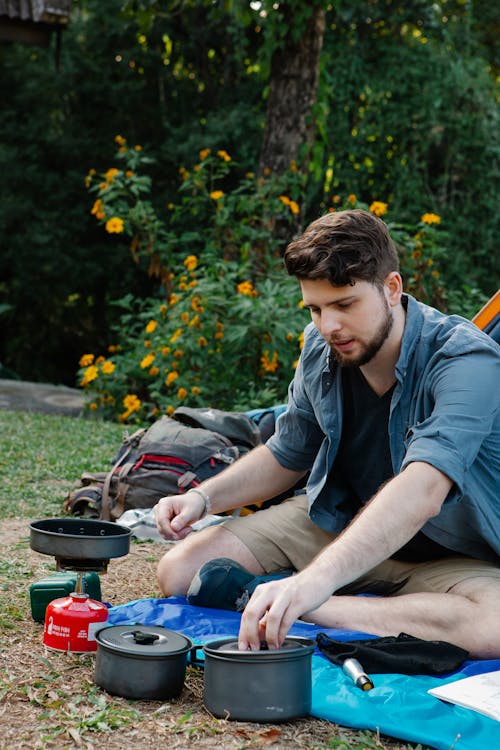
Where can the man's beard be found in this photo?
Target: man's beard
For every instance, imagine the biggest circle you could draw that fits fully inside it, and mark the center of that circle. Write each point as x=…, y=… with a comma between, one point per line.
x=370, y=349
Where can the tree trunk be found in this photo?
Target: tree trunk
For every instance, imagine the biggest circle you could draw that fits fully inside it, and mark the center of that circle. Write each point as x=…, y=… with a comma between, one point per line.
x=292, y=92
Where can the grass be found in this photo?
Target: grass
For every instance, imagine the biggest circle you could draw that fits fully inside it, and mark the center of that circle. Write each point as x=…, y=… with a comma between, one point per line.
x=41, y=457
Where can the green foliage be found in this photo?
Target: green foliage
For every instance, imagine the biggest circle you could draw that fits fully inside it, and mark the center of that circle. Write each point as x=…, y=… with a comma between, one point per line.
x=406, y=114
x=226, y=329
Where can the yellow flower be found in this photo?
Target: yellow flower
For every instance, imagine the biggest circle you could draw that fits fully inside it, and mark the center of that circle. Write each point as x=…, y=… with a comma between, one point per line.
x=195, y=390
x=219, y=335
x=108, y=367
x=378, y=208
x=99, y=360
x=195, y=321
x=147, y=361
x=224, y=155
x=195, y=304
x=129, y=173
x=431, y=219
x=301, y=340
x=120, y=140
x=294, y=207
x=183, y=286
x=185, y=318
x=290, y=337
x=89, y=375
x=191, y=262
x=269, y=365
x=181, y=394
x=154, y=371
x=336, y=199
x=178, y=353
x=131, y=403
x=114, y=225
x=173, y=299
x=284, y=199
x=166, y=350
x=352, y=198
x=202, y=341
x=246, y=289
x=151, y=326
x=86, y=360
x=147, y=343
x=110, y=175
x=138, y=148
x=171, y=377
x=163, y=309
x=176, y=335
x=93, y=406
x=98, y=209
x=204, y=153
x=216, y=194
x=170, y=410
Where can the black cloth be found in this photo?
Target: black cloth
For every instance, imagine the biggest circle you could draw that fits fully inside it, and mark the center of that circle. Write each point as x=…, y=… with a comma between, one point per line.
x=402, y=654
x=364, y=456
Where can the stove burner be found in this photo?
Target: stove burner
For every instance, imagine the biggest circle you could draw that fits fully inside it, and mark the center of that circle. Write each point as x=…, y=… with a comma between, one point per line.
x=85, y=566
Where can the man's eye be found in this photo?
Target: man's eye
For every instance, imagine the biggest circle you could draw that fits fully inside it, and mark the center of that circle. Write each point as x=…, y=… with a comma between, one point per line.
x=344, y=305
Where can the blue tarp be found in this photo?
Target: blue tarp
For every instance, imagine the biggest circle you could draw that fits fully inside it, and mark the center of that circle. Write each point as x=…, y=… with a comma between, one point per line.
x=398, y=706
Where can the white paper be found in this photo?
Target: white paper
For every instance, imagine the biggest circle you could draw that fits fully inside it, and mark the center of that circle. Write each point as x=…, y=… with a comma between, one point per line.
x=481, y=693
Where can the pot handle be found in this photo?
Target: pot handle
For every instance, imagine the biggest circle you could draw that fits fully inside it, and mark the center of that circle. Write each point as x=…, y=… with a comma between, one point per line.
x=196, y=662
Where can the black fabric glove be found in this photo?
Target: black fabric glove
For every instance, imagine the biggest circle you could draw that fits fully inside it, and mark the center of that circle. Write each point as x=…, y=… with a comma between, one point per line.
x=403, y=654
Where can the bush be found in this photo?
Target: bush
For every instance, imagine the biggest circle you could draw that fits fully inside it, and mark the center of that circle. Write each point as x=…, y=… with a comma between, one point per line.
x=226, y=328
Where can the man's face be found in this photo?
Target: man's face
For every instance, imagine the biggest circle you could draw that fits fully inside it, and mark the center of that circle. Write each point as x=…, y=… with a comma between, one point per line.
x=354, y=320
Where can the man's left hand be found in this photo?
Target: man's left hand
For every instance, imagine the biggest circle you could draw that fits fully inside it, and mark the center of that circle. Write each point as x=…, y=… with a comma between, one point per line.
x=274, y=607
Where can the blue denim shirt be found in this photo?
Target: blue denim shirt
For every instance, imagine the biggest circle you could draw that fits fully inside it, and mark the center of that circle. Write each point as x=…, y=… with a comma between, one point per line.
x=445, y=410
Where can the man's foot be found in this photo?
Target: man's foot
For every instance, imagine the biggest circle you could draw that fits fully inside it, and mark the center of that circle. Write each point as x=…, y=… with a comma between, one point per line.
x=225, y=584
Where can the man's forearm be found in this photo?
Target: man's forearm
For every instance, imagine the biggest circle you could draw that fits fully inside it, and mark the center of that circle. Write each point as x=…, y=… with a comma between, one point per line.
x=254, y=477
x=392, y=518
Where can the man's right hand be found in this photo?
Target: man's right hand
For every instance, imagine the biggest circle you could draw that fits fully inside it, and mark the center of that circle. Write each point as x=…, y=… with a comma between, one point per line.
x=175, y=514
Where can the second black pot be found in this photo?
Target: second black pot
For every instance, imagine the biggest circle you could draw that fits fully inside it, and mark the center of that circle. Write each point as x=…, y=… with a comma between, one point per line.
x=141, y=661
x=265, y=685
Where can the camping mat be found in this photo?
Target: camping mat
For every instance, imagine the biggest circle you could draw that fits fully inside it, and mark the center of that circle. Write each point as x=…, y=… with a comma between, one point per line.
x=398, y=706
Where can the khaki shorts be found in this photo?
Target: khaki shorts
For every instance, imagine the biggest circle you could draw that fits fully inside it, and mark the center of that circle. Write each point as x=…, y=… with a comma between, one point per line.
x=283, y=536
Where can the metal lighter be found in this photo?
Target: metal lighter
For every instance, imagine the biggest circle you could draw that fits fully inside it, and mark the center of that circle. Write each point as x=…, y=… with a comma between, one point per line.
x=355, y=671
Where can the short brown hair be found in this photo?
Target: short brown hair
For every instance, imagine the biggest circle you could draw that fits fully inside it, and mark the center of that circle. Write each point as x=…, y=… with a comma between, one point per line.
x=343, y=247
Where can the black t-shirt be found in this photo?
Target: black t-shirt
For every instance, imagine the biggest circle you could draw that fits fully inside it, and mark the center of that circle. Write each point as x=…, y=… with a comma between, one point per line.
x=364, y=462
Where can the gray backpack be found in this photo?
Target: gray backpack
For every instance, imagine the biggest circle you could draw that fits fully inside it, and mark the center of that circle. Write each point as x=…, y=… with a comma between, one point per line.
x=168, y=458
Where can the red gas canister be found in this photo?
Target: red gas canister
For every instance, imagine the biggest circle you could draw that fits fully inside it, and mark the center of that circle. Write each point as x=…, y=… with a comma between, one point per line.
x=71, y=623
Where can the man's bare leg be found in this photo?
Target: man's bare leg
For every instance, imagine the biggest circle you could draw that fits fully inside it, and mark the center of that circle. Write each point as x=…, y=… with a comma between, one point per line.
x=467, y=615
x=178, y=566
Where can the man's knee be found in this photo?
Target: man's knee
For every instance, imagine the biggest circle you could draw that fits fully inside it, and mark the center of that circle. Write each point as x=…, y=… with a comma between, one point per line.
x=177, y=567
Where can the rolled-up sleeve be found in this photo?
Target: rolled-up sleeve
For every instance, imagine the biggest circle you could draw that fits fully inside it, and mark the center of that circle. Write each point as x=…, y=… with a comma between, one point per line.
x=464, y=397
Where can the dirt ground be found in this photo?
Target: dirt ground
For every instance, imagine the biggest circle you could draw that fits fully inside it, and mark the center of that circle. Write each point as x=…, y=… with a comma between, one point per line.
x=49, y=699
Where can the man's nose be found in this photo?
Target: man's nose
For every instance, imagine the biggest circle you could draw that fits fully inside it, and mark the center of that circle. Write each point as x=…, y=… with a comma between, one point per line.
x=330, y=324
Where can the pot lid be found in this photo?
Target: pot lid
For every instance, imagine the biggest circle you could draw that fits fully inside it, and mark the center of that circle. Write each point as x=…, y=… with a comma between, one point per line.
x=143, y=640
x=291, y=646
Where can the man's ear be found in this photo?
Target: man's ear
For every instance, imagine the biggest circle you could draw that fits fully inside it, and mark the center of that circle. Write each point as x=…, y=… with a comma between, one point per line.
x=393, y=288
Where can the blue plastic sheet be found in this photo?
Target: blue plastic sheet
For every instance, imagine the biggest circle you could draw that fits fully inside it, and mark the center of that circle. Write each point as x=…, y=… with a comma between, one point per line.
x=398, y=706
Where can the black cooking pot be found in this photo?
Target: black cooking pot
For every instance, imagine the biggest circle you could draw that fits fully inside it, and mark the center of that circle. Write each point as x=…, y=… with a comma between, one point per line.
x=141, y=661
x=266, y=685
